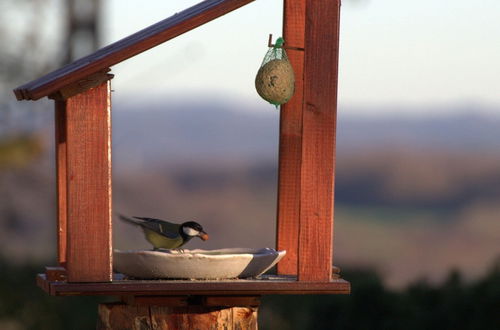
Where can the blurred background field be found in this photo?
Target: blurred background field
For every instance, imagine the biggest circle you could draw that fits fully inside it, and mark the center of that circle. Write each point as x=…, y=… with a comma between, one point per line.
x=417, y=215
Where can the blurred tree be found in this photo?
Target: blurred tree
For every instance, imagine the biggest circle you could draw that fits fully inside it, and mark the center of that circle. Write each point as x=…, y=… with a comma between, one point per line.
x=16, y=151
x=24, y=306
x=35, y=37
x=23, y=28
x=82, y=35
x=29, y=28
x=454, y=304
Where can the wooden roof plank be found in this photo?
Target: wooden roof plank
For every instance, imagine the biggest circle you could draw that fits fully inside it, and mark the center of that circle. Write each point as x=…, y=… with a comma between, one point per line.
x=128, y=47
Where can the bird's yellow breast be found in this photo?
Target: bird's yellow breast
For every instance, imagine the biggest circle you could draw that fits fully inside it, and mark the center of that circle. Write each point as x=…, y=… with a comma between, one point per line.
x=160, y=241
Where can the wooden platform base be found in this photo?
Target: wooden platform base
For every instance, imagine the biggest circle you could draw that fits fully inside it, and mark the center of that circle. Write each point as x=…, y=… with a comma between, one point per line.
x=270, y=284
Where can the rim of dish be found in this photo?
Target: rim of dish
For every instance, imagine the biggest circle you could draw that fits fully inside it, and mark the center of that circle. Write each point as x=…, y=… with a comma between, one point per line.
x=228, y=252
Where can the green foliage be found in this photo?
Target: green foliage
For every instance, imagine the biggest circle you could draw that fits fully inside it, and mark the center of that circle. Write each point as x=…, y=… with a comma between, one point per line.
x=25, y=306
x=453, y=305
x=18, y=151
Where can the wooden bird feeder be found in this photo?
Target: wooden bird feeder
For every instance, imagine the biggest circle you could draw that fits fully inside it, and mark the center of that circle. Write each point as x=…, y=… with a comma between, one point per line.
x=82, y=95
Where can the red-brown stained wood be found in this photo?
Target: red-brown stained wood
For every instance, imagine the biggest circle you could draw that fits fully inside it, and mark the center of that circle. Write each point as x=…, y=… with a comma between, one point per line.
x=171, y=301
x=269, y=285
x=318, y=140
x=60, y=128
x=291, y=143
x=89, y=185
x=130, y=46
x=56, y=274
x=231, y=301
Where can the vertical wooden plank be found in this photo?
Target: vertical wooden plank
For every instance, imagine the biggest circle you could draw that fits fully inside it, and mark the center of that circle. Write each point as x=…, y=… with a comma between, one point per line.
x=290, y=149
x=60, y=143
x=89, y=185
x=318, y=140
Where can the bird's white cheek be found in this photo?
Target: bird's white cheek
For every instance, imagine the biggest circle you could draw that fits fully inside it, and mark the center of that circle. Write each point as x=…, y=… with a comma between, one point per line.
x=190, y=231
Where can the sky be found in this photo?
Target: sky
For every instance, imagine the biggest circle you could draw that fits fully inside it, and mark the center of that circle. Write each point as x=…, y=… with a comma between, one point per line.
x=393, y=53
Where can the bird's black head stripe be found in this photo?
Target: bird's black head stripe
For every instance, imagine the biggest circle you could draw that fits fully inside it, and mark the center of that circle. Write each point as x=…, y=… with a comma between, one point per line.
x=191, y=224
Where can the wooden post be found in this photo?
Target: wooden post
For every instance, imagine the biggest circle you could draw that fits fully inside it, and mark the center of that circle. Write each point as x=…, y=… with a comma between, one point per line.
x=88, y=176
x=318, y=140
x=307, y=141
x=170, y=315
x=290, y=152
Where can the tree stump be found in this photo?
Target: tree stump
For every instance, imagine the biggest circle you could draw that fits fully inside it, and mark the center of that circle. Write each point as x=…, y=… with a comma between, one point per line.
x=142, y=316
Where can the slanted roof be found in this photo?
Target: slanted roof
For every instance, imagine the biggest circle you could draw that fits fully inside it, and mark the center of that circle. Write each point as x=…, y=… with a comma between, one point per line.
x=130, y=46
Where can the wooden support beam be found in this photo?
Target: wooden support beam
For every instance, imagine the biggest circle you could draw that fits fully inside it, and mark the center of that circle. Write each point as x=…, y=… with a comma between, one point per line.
x=60, y=128
x=318, y=140
x=290, y=149
x=88, y=148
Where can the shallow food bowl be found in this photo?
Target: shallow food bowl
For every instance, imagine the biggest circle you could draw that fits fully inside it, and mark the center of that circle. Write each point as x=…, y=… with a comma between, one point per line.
x=196, y=264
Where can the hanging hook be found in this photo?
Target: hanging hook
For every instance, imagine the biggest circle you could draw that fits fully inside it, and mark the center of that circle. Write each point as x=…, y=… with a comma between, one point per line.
x=270, y=44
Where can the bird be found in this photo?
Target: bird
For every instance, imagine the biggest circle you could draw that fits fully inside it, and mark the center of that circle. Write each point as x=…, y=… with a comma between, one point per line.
x=167, y=235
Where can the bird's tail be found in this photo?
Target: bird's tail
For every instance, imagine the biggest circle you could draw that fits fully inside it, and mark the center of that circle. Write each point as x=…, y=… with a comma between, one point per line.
x=129, y=219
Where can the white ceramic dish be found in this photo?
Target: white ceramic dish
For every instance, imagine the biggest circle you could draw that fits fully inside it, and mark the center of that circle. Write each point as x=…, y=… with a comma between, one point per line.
x=196, y=264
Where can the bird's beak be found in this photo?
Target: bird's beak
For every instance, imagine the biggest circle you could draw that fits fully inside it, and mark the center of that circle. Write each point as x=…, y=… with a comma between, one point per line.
x=203, y=235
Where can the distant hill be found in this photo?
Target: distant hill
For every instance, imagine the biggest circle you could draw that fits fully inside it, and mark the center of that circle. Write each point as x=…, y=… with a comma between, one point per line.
x=176, y=132
x=466, y=130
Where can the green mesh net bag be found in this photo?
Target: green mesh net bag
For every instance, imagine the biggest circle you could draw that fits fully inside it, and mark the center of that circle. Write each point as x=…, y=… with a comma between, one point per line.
x=275, y=81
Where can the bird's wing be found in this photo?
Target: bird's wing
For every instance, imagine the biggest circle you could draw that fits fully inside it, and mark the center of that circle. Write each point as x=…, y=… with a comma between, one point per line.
x=162, y=227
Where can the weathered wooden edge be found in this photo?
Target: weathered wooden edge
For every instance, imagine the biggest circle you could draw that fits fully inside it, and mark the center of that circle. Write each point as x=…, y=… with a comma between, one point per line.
x=61, y=184
x=202, y=288
x=82, y=85
x=130, y=46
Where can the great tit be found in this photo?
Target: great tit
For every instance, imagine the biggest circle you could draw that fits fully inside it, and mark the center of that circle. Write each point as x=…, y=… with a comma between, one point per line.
x=167, y=235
